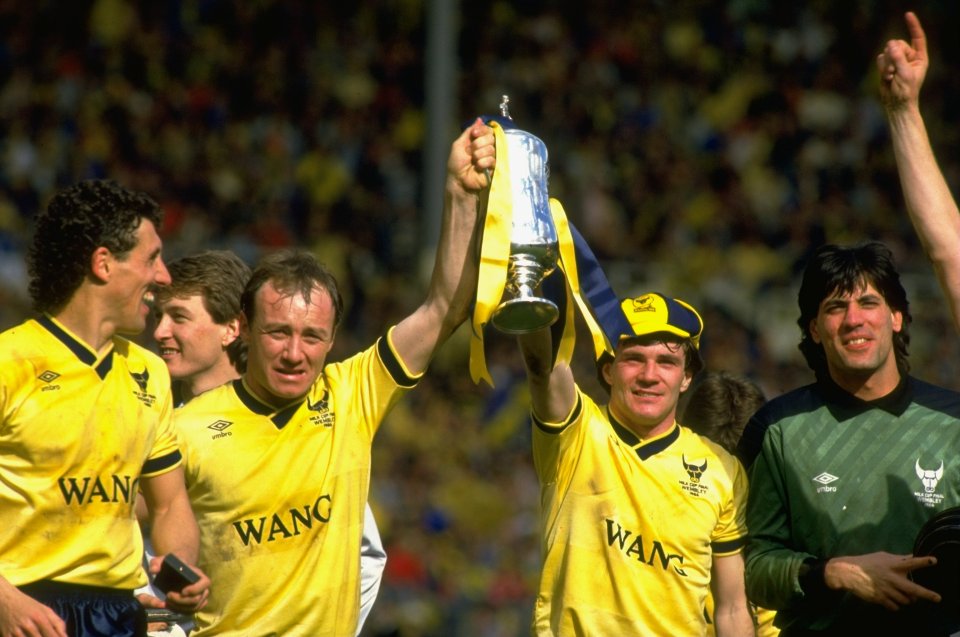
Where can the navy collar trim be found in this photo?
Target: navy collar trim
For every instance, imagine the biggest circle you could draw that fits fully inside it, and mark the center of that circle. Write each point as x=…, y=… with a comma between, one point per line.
x=280, y=418
x=83, y=353
x=644, y=450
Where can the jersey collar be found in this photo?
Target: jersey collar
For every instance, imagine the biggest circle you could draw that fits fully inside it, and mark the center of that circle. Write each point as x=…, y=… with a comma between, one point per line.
x=279, y=417
x=844, y=405
x=645, y=448
x=83, y=353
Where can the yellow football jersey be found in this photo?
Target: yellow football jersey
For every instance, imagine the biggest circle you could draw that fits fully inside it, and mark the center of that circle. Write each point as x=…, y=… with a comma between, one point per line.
x=77, y=432
x=280, y=497
x=629, y=527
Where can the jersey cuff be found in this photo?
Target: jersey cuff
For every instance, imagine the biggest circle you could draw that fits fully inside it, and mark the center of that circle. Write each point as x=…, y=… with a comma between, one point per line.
x=395, y=367
x=159, y=465
x=555, y=428
x=730, y=547
x=811, y=577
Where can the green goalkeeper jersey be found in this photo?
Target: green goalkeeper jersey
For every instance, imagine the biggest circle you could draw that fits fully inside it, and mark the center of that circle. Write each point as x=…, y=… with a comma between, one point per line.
x=838, y=476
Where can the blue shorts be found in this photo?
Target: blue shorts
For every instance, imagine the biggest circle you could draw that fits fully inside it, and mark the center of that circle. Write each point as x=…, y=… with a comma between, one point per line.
x=91, y=611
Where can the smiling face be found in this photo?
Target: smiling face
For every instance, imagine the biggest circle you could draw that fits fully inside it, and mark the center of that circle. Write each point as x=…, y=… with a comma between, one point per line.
x=191, y=343
x=133, y=278
x=646, y=379
x=288, y=339
x=856, y=331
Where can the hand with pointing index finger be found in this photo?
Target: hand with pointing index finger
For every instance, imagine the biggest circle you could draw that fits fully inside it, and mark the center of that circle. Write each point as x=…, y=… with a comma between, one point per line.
x=903, y=67
x=880, y=578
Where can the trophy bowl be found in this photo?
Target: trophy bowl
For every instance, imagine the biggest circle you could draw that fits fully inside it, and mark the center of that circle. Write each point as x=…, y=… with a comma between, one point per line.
x=533, y=239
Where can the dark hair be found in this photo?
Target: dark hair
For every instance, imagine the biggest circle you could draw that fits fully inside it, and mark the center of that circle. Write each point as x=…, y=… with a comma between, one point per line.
x=219, y=277
x=292, y=271
x=692, y=361
x=719, y=405
x=77, y=221
x=837, y=269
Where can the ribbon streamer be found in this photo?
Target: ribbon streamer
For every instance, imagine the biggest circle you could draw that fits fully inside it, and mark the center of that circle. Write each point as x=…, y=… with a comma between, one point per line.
x=494, y=255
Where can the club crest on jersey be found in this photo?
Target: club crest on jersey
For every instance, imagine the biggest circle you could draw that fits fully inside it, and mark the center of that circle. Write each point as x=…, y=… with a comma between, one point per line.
x=929, y=478
x=322, y=414
x=143, y=395
x=695, y=471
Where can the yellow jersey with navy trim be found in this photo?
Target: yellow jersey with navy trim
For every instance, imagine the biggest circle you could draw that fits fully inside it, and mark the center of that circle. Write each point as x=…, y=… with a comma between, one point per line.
x=77, y=432
x=630, y=527
x=280, y=495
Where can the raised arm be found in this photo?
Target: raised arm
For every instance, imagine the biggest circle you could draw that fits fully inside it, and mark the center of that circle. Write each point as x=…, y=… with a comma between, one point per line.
x=552, y=389
x=454, y=279
x=931, y=206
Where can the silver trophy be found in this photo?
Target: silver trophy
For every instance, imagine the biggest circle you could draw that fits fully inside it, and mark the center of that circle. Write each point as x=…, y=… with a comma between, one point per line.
x=533, y=238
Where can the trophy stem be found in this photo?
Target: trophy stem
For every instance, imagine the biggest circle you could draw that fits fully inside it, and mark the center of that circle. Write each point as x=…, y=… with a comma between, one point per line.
x=524, y=312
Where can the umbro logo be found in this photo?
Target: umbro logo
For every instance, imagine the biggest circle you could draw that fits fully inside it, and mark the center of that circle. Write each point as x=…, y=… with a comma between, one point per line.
x=220, y=426
x=824, y=479
x=48, y=377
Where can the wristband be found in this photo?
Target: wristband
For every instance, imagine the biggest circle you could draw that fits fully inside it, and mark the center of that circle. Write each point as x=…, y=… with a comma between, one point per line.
x=811, y=577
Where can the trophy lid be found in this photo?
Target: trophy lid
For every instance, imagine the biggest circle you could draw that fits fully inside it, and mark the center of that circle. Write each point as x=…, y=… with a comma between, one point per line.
x=504, y=107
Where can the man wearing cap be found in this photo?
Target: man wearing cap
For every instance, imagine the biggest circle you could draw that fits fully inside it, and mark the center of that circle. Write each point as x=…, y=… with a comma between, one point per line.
x=640, y=515
x=846, y=470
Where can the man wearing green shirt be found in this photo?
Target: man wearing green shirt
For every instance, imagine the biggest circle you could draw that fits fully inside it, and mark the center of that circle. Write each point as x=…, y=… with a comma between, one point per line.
x=846, y=470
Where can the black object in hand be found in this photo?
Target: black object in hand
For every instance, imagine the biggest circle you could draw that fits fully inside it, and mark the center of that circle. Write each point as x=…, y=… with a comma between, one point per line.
x=166, y=616
x=174, y=575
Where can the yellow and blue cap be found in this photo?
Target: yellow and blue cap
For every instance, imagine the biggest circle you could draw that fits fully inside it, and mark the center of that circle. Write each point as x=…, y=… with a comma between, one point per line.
x=654, y=313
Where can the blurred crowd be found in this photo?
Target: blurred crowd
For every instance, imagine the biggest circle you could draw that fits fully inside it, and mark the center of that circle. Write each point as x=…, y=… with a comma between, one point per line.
x=703, y=148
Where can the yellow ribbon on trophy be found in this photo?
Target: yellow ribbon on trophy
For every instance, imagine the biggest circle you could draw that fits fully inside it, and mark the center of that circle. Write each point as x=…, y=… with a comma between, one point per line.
x=494, y=260
x=494, y=256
